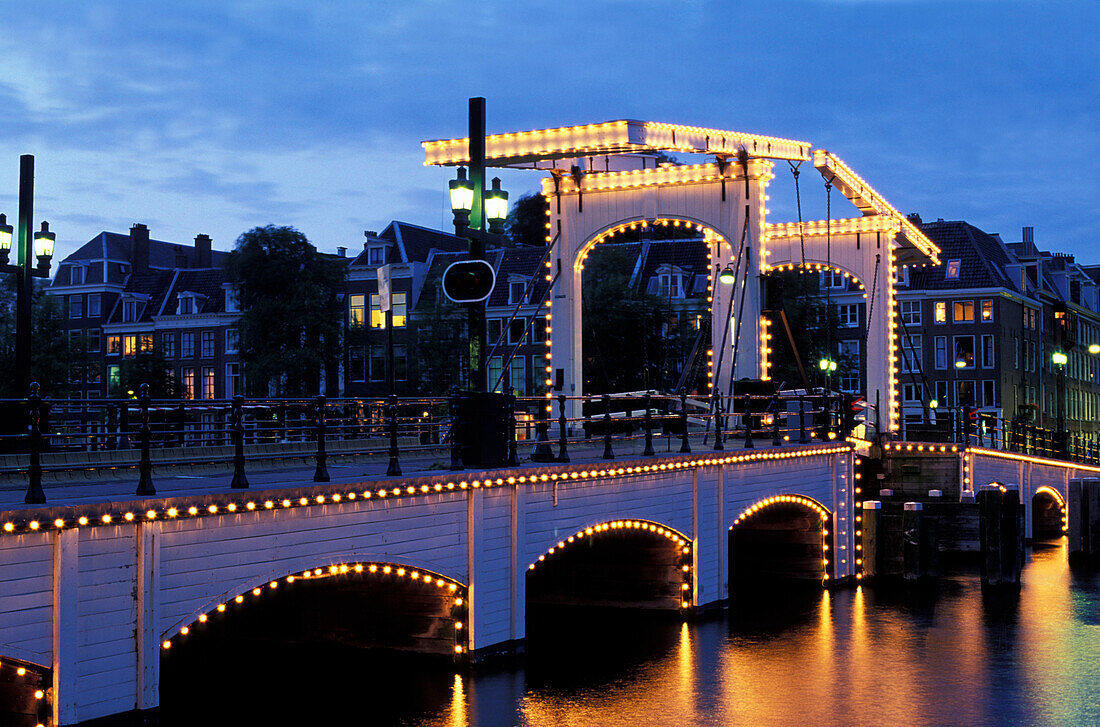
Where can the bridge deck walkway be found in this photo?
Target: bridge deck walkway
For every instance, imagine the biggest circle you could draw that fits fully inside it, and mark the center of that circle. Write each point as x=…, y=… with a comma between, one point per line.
x=119, y=484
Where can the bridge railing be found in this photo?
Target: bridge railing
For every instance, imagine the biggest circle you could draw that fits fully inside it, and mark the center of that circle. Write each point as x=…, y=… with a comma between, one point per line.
x=62, y=436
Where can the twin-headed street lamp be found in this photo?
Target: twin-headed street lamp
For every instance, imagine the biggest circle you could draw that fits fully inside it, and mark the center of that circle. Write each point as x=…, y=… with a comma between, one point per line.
x=39, y=245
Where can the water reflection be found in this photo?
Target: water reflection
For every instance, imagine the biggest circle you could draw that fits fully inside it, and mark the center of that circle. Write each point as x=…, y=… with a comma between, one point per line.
x=946, y=654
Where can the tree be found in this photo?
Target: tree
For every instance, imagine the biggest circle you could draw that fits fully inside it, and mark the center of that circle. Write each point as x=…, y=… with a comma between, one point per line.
x=440, y=334
x=526, y=222
x=55, y=357
x=291, y=312
x=147, y=367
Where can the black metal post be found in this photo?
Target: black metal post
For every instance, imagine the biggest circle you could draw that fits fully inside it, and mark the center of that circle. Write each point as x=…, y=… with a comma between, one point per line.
x=124, y=425
x=476, y=311
x=456, y=452
x=240, y=481
x=685, y=446
x=112, y=426
x=586, y=412
x=35, y=494
x=776, y=441
x=321, y=474
x=718, y=445
x=827, y=407
x=542, y=451
x=749, y=444
x=607, y=453
x=647, y=422
x=563, y=435
x=803, y=438
x=145, y=481
x=25, y=285
x=513, y=446
x=394, y=470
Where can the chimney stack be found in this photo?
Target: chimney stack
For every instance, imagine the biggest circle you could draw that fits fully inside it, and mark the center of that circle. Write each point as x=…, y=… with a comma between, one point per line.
x=139, y=247
x=203, y=257
x=341, y=252
x=1029, y=235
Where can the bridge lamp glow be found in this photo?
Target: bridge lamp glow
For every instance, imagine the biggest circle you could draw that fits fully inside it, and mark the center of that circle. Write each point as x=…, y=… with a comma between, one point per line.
x=1059, y=358
x=933, y=403
x=462, y=197
x=826, y=364
x=5, y=238
x=1094, y=348
x=960, y=363
x=496, y=207
x=727, y=276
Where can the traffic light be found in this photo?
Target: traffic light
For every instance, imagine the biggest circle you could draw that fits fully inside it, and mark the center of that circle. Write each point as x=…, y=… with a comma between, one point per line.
x=468, y=281
x=852, y=407
x=970, y=421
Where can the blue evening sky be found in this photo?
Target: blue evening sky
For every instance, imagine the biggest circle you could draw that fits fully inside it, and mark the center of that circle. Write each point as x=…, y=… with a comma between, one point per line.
x=215, y=117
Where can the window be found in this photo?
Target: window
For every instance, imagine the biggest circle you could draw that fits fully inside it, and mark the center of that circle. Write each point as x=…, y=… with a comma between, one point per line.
x=964, y=311
x=95, y=376
x=233, y=380
x=186, y=305
x=168, y=344
x=206, y=341
x=400, y=364
x=129, y=311
x=941, y=352
x=114, y=345
x=848, y=315
x=953, y=267
x=989, y=393
x=910, y=392
x=912, y=359
x=516, y=328
x=232, y=340
x=901, y=276
x=1031, y=318
x=187, y=345
x=357, y=315
x=669, y=285
x=112, y=380
x=376, y=255
x=910, y=312
x=965, y=393
x=232, y=301
x=849, y=382
x=145, y=342
x=377, y=363
x=493, y=328
x=964, y=351
x=496, y=367
x=400, y=310
x=940, y=308
x=518, y=375
x=357, y=363
x=941, y=394
x=516, y=290
x=95, y=305
x=849, y=350
x=76, y=306
x=987, y=311
x=833, y=279
x=129, y=345
x=76, y=275
x=188, y=379
x=987, y=351
x=208, y=382
x=540, y=333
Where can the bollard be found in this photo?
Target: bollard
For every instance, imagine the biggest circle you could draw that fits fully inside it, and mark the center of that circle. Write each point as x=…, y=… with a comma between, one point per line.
x=563, y=435
x=746, y=419
x=145, y=480
x=607, y=453
x=513, y=445
x=647, y=422
x=912, y=538
x=872, y=513
x=394, y=469
x=35, y=494
x=321, y=473
x=685, y=447
x=776, y=441
x=240, y=481
x=456, y=451
x=718, y=446
x=803, y=438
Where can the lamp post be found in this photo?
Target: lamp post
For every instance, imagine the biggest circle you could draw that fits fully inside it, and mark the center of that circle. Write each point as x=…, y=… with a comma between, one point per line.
x=1060, y=359
x=39, y=246
x=473, y=208
x=956, y=400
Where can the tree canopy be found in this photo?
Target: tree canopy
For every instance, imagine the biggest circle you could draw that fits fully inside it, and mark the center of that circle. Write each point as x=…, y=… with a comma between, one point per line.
x=291, y=311
x=56, y=359
x=526, y=222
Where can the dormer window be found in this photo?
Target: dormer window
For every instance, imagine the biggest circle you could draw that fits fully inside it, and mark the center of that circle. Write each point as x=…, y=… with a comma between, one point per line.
x=953, y=267
x=232, y=303
x=376, y=255
x=517, y=290
x=901, y=276
x=76, y=275
x=131, y=310
x=188, y=304
x=671, y=285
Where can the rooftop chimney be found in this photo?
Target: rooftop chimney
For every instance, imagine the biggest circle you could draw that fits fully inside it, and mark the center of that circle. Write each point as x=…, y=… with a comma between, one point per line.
x=1029, y=235
x=139, y=247
x=203, y=257
x=341, y=252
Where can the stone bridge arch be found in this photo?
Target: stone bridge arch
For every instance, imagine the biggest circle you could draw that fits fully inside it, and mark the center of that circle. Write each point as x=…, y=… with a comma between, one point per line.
x=783, y=536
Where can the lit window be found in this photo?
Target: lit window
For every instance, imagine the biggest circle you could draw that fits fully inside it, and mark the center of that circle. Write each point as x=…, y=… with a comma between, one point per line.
x=188, y=379
x=518, y=375
x=357, y=310
x=145, y=342
x=208, y=382
x=953, y=267
x=378, y=316
x=114, y=345
x=964, y=311
x=112, y=380
x=964, y=352
x=987, y=311
x=129, y=345
x=940, y=308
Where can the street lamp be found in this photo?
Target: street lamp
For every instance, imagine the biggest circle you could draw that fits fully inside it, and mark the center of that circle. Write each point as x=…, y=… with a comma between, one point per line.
x=727, y=276
x=1060, y=359
x=462, y=200
x=496, y=207
x=39, y=246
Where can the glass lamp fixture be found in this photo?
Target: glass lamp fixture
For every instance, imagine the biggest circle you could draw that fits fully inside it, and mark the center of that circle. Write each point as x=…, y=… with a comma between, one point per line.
x=1094, y=348
x=1059, y=358
x=933, y=403
x=960, y=363
x=826, y=364
x=727, y=276
x=5, y=239
x=43, y=245
x=462, y=193
x=496, y=207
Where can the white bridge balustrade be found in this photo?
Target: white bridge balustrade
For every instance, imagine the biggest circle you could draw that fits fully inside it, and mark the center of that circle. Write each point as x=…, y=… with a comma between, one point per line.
x=93, y=593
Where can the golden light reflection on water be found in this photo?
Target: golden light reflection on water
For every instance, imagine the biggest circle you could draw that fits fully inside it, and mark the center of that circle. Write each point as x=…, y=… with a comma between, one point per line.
x=456, y=716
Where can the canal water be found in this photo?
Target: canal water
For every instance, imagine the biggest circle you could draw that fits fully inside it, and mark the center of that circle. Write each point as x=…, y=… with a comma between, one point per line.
x=945, y=655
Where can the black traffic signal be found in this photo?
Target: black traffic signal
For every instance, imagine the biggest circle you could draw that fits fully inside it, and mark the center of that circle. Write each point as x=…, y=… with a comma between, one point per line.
x=850, y=408
x=970, y=421
x=468, y=281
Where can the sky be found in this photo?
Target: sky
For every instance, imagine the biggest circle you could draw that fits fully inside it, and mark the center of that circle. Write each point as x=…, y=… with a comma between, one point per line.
x=216, y=117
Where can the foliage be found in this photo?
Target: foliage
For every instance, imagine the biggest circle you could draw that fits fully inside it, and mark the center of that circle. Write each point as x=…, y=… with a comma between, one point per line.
x=809, y=318
x=440, y=333
x=148, y=367
x=526, y=222
x=291, y=311
x=55, y=357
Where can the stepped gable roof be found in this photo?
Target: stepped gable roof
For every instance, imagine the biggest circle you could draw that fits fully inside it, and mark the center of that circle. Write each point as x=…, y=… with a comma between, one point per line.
x=982, y=259
x=524, y=262
x=152, y=284
x=205, y=282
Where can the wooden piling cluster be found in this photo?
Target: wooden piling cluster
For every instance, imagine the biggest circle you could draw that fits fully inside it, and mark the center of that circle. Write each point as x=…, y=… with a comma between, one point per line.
x=1001, y=529
x=1083, y=516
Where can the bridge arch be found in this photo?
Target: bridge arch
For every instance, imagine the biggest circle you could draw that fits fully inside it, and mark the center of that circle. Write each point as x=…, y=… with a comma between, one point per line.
x=25, y=688
x=1048, y=513
x=627, y=562
x=451, y=594
x=782, y=536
